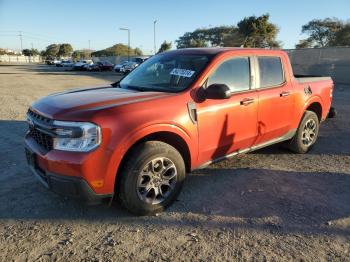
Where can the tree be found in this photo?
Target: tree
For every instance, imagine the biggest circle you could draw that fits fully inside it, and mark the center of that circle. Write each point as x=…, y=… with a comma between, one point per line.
x=204, y=37
x=322, y=33
x=65, y=50
x=258, y=32
x=137, y=51
x=164, y=47
x=117, y=50
x=81, y=54
x=251, y=32
x=191, y=39
x=305, y=43
x=30, y=52
x=34, y=52
x=52, y=50
x=234, y=40
x=216, y=36
x=26, y=52
x=342, y=37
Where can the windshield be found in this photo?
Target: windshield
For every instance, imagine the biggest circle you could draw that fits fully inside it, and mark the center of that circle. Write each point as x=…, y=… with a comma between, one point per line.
x=166, y=72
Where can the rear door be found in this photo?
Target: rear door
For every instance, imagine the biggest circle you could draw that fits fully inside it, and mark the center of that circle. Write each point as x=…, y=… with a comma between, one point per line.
x=275, y=106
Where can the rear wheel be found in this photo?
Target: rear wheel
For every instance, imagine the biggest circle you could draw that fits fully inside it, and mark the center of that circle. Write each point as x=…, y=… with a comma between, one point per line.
x=306, y=134
x=152, y=178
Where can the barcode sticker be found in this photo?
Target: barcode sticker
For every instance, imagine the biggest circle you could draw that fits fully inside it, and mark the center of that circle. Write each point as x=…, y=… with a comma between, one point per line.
x=182, y=72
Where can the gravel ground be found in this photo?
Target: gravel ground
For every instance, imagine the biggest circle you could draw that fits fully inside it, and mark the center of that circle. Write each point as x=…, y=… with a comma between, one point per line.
x=270, y=205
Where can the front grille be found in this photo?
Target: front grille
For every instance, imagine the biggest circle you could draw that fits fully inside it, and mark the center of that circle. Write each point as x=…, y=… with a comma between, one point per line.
x=43, y=139
x=38, y=117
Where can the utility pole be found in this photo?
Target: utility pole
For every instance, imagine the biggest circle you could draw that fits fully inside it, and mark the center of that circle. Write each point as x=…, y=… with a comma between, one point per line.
x=127, y=29
x=154, y=36
x=32, y=46
x=89, y=48
x=20, y=37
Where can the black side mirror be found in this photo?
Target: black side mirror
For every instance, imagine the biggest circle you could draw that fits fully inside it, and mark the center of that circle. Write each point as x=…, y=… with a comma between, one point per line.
x=217, y=91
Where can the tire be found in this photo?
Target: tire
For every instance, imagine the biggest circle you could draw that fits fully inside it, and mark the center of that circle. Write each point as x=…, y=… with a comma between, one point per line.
x=306, y=134
x=144, y=169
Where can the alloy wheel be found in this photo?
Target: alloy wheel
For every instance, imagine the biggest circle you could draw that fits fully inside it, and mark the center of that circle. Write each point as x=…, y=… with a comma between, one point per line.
x=156, y=180
x=309, y=132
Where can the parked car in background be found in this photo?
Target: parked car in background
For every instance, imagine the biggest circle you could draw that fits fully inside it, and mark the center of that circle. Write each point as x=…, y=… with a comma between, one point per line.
x=139, y=60
x=86, y=66
x=101, y=66
x=65, y=63
x=52, y=61
x=119, y=66
x=128, y=67
x=56, y=61
x=81, y=65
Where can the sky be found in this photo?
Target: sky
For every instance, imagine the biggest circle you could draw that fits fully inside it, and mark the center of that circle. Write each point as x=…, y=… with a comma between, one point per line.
x=43, y=22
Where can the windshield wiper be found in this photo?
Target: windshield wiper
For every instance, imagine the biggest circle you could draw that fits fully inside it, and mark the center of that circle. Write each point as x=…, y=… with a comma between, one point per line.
x=116, y=84
x=138, y=88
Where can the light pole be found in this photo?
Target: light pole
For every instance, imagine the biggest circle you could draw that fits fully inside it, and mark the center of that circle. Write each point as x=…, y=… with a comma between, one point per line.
x=127, y=29
x=20, y=37
x=89, y=48
x=154, y=36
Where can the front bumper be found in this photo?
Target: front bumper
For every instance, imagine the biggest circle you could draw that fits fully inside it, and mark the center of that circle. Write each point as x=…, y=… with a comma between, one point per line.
x=74, y=187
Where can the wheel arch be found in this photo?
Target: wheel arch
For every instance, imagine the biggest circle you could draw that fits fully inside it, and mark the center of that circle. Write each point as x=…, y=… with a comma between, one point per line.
x=315, y=107
x=167, y=137
x=177, y=139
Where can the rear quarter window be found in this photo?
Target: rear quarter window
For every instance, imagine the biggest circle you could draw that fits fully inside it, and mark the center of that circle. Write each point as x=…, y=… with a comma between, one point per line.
x=270, y=71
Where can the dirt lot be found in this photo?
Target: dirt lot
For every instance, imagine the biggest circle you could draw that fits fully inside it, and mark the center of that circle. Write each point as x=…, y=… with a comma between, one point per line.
x=270, y=205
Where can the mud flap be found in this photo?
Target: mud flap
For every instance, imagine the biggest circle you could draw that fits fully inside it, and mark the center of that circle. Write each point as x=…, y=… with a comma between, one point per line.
x=332, y=113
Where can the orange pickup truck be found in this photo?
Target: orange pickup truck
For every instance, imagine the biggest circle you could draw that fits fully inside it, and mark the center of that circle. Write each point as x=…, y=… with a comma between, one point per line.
x=180, y=110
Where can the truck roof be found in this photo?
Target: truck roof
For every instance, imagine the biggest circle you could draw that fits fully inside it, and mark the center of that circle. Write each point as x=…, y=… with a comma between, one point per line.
x=217, y=50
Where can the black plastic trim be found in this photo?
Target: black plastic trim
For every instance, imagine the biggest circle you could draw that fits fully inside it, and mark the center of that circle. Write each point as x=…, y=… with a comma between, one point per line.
x=73, y=187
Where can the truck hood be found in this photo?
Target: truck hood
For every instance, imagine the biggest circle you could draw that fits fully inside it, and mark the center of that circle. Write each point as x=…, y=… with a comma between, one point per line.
x=95, y=98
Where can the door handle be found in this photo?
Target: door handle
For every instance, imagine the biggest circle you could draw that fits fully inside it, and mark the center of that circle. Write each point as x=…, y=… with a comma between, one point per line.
x=247, y=101
x=284, y=93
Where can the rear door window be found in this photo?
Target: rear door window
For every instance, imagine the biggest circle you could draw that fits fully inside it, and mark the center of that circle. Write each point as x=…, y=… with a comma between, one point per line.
x=270, y=71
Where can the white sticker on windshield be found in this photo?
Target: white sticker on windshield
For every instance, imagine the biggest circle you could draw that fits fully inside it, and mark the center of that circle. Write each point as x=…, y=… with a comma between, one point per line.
x=182, y=72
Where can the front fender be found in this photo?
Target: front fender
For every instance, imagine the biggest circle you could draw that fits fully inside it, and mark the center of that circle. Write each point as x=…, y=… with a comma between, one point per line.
x=134, y=136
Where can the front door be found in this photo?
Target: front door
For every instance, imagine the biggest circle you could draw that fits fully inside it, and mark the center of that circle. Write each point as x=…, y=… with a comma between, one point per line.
x=228, y=125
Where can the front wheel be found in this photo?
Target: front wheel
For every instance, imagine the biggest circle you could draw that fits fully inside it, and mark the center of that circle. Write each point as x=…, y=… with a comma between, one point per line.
x=152, y=178
x=306, y=134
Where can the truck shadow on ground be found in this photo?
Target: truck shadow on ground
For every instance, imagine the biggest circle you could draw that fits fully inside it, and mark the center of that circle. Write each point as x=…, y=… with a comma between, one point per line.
x=261, y=199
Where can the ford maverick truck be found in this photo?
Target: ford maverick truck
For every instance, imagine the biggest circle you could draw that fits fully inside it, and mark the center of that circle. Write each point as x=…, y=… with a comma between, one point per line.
x=135, y=140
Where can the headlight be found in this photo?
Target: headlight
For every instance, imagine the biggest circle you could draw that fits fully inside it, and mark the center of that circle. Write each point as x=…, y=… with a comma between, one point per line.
x=76, y=136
